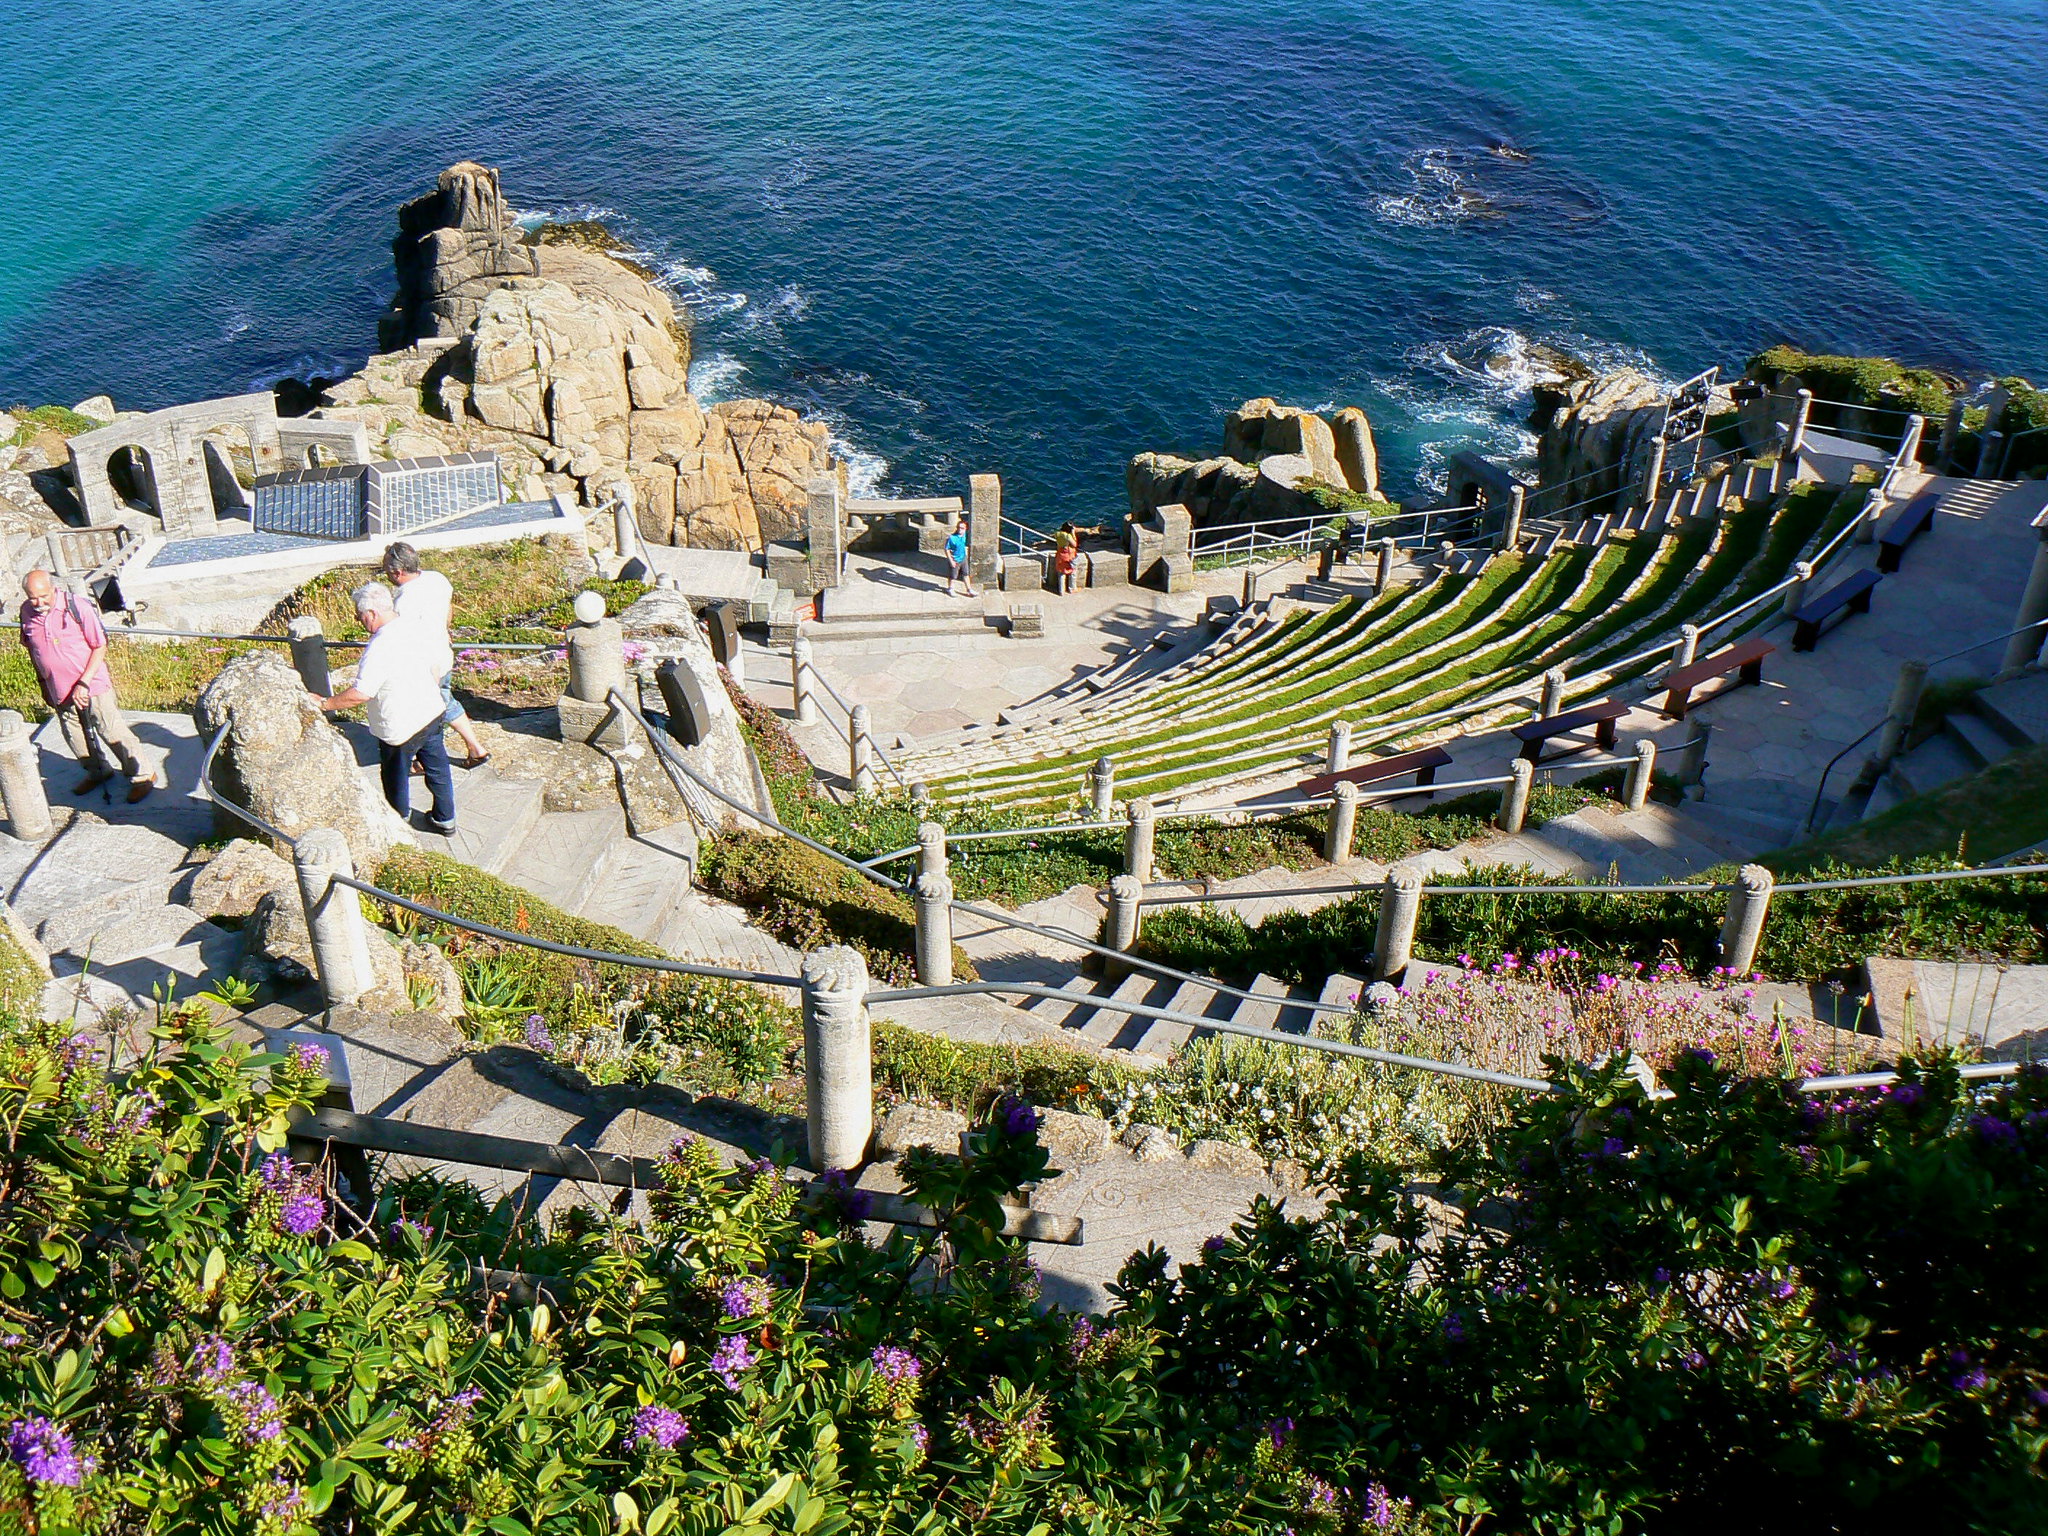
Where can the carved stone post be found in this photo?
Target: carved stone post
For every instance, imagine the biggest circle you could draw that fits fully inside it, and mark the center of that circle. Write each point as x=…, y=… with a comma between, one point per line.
x=839, y=1082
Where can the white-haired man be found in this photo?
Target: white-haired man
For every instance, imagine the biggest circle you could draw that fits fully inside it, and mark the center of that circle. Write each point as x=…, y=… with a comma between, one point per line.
x=399, y=679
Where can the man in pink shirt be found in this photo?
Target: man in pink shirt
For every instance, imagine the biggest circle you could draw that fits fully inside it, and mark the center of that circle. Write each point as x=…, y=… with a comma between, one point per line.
x=68, y=645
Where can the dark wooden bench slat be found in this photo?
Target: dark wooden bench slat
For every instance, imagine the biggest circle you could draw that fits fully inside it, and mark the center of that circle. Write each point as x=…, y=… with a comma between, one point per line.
x=1910, y=524
x=1851, y=594
x=1602, y=716
x=1423, y=763
x=1748, y=656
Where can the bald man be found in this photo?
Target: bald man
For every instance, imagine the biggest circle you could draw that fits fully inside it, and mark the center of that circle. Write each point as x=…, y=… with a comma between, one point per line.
x=68, y=645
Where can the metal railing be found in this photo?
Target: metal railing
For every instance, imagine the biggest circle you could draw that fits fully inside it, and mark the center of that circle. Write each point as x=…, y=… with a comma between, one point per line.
x=846, y=732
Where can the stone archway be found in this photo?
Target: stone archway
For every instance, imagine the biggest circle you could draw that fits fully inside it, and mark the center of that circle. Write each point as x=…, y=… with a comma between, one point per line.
x=228, y=458
x=131, y=474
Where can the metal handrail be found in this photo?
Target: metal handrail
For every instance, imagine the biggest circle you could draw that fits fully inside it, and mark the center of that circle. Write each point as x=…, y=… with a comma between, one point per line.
x=127, y=631
x=846, y=734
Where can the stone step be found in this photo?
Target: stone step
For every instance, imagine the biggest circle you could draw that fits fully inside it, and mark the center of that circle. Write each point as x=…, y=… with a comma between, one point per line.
x=1976, y=738
x=1106, y=1026
x=563, y=858
x=1882, y=799
x=1935, y=762
x=2017, y=709
x=643, y=882
x=1076, y=1002
x=494, y=816
x=1665, y=829
x=1343, y=989
x=1605, y=841
x=1163, y=1036
x=1262, y=1011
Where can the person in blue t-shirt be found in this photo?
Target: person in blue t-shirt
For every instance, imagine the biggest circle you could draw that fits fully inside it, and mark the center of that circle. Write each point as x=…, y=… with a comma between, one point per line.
x=956, y=557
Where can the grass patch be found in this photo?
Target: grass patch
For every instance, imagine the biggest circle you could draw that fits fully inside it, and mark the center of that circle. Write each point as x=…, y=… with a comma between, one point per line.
x=969, y=1077
x=32, y=422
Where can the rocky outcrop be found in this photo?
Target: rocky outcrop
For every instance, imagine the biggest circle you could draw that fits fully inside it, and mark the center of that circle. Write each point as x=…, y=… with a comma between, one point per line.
x=573, y=367
x=665, y=625
x=236, y=879
x=285, y=761
x=1597, y=437
x=1272, y=454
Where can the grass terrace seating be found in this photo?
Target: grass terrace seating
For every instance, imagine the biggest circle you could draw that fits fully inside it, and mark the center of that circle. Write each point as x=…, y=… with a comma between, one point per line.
x=1408, y=668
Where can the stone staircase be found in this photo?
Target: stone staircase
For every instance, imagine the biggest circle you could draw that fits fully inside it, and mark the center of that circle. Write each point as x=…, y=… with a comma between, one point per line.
x=1994, y=723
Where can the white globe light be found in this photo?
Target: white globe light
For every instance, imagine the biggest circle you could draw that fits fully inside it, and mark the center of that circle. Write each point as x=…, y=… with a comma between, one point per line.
x=589, y=607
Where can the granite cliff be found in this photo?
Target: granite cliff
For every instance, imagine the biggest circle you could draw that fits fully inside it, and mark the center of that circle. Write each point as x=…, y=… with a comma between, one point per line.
x=1272, y=456
x=571, y=365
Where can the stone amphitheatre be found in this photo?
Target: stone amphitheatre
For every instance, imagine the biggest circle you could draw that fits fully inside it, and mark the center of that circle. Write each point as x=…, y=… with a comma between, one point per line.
x=1716, y=622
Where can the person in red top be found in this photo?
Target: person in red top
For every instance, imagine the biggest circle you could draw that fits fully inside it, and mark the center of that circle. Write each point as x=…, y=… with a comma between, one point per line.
x=68, y=645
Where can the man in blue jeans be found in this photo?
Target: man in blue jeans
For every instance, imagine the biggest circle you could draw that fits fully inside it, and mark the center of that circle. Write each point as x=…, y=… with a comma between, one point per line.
x=399, y=679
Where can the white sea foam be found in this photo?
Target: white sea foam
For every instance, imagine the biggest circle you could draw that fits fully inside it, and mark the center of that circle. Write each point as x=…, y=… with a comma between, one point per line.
x=566, y=213
x=1439, y=193
x=716, y=376
x=866, y=473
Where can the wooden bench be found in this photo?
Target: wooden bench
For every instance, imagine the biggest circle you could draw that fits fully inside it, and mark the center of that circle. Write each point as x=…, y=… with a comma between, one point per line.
x=1601, y=716
x=1906, y=527
x=1423, y=763
x=1748, y=658
x=1850, y=595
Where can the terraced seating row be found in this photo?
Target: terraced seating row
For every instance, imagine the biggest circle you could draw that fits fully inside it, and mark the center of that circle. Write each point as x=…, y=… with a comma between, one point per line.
x=1440, y=657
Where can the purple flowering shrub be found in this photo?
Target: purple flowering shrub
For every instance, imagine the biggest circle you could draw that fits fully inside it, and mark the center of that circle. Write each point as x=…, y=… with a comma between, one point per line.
x=1735, y=1308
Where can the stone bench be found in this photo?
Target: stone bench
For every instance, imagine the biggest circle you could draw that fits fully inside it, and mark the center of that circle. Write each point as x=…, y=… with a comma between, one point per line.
x=1601, y=717
x=1850, y=595
x=1746, y=658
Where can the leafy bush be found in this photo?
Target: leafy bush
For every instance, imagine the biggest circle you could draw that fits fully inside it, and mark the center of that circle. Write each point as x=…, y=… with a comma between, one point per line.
x=1870, y=381
x=1732, y=1309
x=32, y=422
x=1810, y=934
x=966, y=1075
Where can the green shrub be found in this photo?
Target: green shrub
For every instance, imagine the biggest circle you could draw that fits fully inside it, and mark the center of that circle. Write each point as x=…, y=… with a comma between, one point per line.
x=32, y=422
x=1809, y=935
x=809, y=901
x=969, y=1076
x=1870, y=381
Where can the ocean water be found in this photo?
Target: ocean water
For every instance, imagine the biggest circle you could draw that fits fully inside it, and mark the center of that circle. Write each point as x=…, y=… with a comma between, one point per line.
x=1037, y=238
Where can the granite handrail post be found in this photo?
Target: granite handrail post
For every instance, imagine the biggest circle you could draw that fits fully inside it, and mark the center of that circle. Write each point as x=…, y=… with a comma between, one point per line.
x=1795, y=436
x=1653, y=472
x=1951, y=427
x=1141, y=837
x=309, y=654
x=1688, y=646
x=1898, y=718
x=802, y=683
x=1511, y=528
x=334, y=916
x=1125, y=894
x=1514, y=797
x=1400, y=908
x=2026, y=643
x=1692, y=764
x=931, y=849
x=1795, y=594
x=1642, y=773
x=22, y=791
x=1338, y=757
x=1249, y=592
x=1385, y=573
x=1102, y=787
x=1749, y=903
x=933, y=897
x=839, y=1065
x=1343, y=825
x=861, y=746
x=1553, y=693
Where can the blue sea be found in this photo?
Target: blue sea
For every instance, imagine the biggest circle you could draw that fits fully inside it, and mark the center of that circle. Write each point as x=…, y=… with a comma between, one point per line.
x=1037, y=238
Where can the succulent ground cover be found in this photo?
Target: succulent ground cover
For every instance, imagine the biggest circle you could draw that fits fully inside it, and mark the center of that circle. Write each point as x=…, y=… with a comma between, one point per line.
x=1728, y=1308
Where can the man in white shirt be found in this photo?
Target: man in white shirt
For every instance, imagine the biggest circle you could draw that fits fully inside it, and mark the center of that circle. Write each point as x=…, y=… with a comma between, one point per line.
x=426, y=598
x=399, y=679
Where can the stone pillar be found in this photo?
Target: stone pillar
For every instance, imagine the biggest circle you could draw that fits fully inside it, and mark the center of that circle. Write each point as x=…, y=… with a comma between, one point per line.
x=1249, y=590
x=1653, y=473
x=1102, y=787
x=933, y=895
x=1899, y=716
x=1692, y=763
x=1124, y=895
x=1514, y=799
x=1342, y=830
x=626, y=540
x=1386, y=567
x=1511, y=529
x=1688, y=646
x=839, y=1067
x=309, y=655
x=2022, y=647
x=1338, y=756
x=1802, y=578
x=802, y=683
x=1140, y=839
x=1871, y=513
x=862, y=745
x=825, y=529
x=920, y=796
x=1553, y=693
x=1749, y=902
x=931, y=849
x=1951, y=427
x=21, y=780
x=597, y=666
x=984, y=526
x=1989, y=447
x=1635, y=790
x=1795, y=436
x=334, y=916
x=1400, y=907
